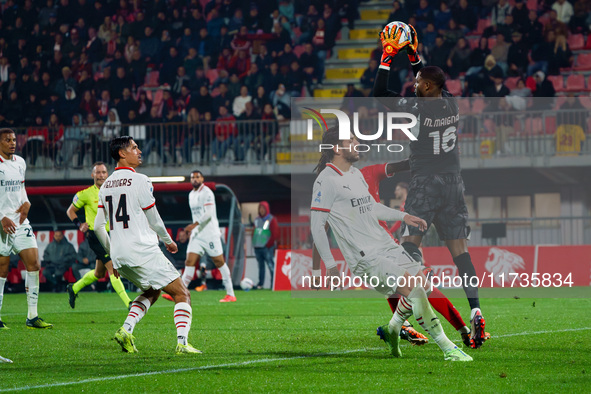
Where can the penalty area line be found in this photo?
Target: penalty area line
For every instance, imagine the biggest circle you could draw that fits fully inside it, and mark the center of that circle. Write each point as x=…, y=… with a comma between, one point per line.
x=251, y=362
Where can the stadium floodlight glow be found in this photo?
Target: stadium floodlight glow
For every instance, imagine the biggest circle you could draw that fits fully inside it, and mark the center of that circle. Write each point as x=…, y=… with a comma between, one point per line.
x=164, y=179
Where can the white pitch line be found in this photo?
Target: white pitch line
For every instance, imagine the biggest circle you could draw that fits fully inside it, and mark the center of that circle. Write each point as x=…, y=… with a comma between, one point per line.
x=250, y=362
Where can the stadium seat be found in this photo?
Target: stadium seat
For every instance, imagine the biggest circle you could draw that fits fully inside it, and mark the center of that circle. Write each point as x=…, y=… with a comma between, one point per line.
x=550, y=123
x=215, y=92
x=482, y=24
x=454, y=86
x=533, y=126
x=511, y=82
x=212, y=75
x=586, y=101
x=152, y=79
x=298, y=50
x=559, y=101
x=557, y=81
x=532, y=4
x=492, y=42
x=473, y=41
x=576, y=42
x=478, y=106
x=588, y=42
x=575, y=83
x=583, y=61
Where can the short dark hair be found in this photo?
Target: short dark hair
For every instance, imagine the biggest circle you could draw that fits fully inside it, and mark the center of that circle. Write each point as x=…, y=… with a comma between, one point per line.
x=434, y=74
x=99, y=163
x=403, y=185
x=197, y=172
x=6, y=130
x=117, y=144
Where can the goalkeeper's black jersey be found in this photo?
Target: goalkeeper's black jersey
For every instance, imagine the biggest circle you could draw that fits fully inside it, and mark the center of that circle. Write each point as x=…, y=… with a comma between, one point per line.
x=436, y=150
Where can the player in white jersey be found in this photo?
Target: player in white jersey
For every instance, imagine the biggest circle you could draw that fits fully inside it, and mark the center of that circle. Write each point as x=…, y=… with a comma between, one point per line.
x=341, y=198
x=16, y=235
x=205, y=236
x=126, y=199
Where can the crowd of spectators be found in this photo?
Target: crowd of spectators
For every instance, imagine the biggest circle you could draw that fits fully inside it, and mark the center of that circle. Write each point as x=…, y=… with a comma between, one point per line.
x=74, y=63
x=523, y=43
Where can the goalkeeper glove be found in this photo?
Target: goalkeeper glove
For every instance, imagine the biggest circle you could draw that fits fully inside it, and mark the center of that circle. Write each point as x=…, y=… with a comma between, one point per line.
x=390, y=43
x=411, y=48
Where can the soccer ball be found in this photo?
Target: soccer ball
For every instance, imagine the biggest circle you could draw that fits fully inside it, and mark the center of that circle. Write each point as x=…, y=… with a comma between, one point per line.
x=406, y=31
x=246, y=284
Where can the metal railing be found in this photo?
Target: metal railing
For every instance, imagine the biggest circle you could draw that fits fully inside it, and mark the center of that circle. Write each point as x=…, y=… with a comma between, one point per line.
x=525, y=134
x=520, y=231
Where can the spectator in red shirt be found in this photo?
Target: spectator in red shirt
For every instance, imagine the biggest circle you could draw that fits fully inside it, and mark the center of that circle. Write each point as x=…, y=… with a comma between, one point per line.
x=225, y=132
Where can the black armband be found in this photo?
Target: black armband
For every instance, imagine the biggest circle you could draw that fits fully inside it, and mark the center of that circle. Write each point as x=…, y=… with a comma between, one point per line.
x=77, y=222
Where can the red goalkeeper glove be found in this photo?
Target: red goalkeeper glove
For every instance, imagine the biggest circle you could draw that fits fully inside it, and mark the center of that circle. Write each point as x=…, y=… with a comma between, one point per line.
x=411, y=48
x=390, y=42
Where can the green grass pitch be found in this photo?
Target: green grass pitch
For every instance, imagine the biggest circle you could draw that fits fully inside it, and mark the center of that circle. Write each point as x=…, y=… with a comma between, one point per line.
x=271, y=342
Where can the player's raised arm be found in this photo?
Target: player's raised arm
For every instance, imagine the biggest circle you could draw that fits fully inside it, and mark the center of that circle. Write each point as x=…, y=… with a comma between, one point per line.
x=399, y=166
x=382, y=212
x=391, y=46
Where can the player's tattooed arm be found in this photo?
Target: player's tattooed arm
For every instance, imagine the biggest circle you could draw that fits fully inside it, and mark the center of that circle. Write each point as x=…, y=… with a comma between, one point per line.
x=399, y=166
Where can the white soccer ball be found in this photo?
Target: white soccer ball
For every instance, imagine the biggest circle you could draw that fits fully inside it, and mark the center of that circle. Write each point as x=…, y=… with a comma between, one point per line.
x=246, y=284
x=406, y=31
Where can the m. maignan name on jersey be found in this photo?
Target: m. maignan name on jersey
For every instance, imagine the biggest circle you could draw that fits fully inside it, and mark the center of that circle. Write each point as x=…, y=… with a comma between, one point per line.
x=441, y=121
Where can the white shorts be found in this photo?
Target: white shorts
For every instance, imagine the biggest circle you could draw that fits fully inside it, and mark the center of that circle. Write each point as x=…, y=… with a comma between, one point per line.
x=156, y=273
x=24, y=238
x=201, y=245
x=387, y=267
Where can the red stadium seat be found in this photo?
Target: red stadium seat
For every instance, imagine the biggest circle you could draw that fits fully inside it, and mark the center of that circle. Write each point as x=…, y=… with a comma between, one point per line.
x=588, y=43
x=212, y=75
x=492, y=41
x=583, y=62
x=454, y=86
x=152, y=79
x=575, y=83
x=557, y=81
x=559, y=101
x=511, y=82
x=533, y=126
x=298, y=50
x=532, y=4
x=586, y=101
x=482, y=24
x=576, y=42
x=550, y=124
x=478, y=106
x=473, y=41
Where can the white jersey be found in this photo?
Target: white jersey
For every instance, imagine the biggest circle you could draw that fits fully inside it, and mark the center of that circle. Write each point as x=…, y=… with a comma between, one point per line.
x=198, y=200
x=346, y=199
x=125, y=195
x=12, y=187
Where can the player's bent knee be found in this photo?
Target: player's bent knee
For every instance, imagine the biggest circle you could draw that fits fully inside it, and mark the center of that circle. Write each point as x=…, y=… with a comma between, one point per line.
x=413, y=250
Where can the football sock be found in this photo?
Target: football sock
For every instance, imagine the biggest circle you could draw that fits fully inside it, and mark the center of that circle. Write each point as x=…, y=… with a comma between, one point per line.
x=227, y=280
x=427, y=319
x=403, y=312
x=32, y=284
x=393, y=302
x=182, y=319
x=2, y=283
x=86, y=280
x=188, y=275
x=119, y=289
x=473, y=312
x=444, y=306
x=465, y=266
x=138, y=309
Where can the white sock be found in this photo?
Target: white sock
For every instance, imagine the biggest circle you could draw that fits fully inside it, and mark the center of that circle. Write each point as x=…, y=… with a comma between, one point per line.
x=183, y=314
x=227, y=280
x=427, y=319
x=139, y=308
x=464, y=330
x=403, y=311
x=2, y=282
x=32, y=284
x=188, y=275
x=474, y=313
